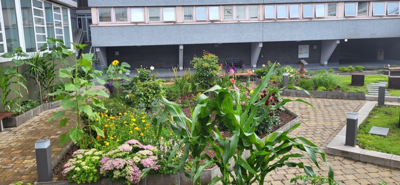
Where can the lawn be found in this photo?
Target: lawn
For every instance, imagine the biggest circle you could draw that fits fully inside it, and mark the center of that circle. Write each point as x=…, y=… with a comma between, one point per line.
x=346, y=81
x=382, y=117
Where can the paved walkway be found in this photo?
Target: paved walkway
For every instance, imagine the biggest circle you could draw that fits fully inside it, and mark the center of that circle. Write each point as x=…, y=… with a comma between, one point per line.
x=320, y=126
x=17, y=147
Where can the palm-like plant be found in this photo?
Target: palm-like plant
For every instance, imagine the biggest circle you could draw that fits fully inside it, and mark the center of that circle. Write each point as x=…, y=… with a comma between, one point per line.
x=35, y=70
x=7, y=75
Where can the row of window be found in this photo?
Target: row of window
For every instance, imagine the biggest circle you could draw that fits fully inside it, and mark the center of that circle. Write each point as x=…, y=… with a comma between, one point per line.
x=245, y=12
x=28, y=23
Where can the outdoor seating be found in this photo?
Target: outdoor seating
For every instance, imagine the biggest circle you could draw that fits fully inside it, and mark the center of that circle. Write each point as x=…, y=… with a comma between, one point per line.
x=237, y=62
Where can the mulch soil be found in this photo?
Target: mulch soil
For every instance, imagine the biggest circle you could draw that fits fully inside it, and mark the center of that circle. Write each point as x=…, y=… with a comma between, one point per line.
x=57, y=171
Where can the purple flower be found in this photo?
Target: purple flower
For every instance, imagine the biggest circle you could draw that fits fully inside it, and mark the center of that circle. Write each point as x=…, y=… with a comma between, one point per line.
x=80, y=151
x=149, y=162
x=156, y=167
x=133, y=174
x=104, y=160
x=234, y=102
x=68, y=164
x=140, y=145
x=118, y=163
x=234, y=68
x=65, y=171
x=125, y=148
x=147, y=147
x=228, y=68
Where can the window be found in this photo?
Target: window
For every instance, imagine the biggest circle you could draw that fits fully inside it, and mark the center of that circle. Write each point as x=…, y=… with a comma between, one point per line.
x=201, y=13
x=282, y=11
x=269, y=12
x=154, y=14
x=40, y=26
x=307, y=10
x=332, y=10
x=58, y=26
x=362, y=9
x=240, y=12
x=294, y=11
x=378, y=8
x=228, y=12
x=188, y=13
x=10, y=24
x=49, y=21
x=169, y=14
x=137, y=15
x=105, y=14
x=350, y=9
x=392, y=8
x=253, y=12
x=320, y=10
x=29, y=27
x=121, y=14
x=213, y=13
x=67, y=37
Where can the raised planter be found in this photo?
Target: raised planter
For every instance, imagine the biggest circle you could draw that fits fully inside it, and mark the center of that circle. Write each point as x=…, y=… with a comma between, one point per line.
x=326, y=94
x=16, y=121
x=170, y=179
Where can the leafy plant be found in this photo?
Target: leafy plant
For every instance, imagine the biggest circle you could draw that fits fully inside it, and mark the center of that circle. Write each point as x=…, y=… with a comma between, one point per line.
x=84, y=166
x=265, y=68
x=76, y=95
x=206, y=69
x=114, y=74
x=355, y=90
x=35, y=71
x=315, y=180
x=17, y=56
x=331, y=71
x=21, y=183
x=26, y=105
x=321, y=88
x=351, y=69
x=327, y=80
x=306, y=84
x=359, y=68
x=144, y=92
x=343, y=69
x=293, y=75
x=6, y=80
x=200, y=132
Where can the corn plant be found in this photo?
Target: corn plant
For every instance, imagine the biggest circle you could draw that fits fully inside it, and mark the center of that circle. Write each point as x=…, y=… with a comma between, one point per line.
x=7, y=75
x=201, y=131
x=76, y=95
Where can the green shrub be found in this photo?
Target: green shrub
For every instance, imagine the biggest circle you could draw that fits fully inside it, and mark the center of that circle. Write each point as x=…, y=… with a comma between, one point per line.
x=331, y=70
x=360, y=68
x=144, y=93
x=355, y=90
x=343, y=69
x=344, y=89
x=171, y=92
x=306, y=84
x=206, y=69
x=321, y=88
x=351, y=69
x=265, y=68
x=328, y=80
x=293, y=75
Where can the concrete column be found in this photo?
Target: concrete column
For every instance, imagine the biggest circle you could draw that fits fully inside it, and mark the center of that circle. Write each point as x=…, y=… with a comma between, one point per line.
x=381, y=93
x=43, y=160
x=327, y=48
x=255, y=53
x=351, y=129
x=285, y=79
x=180, y=57
x=102, y=53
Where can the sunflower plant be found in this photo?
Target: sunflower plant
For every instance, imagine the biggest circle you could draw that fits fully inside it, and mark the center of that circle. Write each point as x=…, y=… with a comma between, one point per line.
x=114, y=75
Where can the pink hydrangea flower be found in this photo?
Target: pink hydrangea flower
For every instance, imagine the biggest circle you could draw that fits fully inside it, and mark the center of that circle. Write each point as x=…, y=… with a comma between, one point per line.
x=125, y=148
x=133, y=174
x=80, y=151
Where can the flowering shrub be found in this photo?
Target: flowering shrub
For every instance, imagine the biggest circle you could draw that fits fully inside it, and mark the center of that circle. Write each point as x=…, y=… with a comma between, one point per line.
x=206, y=69
x=130, y=162
x=84, y=166
x=132, y=124
x=115, y=76
x=272, y=107
x=265, y=68
x=293, y=75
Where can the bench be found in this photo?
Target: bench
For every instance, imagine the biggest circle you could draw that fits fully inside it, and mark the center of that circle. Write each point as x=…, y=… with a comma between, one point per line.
x=237, y=62
x=2, y=116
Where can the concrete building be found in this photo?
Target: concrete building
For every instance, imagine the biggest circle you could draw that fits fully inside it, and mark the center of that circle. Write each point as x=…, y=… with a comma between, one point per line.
x=170, y=33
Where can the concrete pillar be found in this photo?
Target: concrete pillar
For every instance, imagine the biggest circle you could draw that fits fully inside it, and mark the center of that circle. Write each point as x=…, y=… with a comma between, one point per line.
x=255, y=53
x=381, y=93
x=43, y=160
x=327, y=48
x=180, y=57
x=102, y=53
x=351, y=129
x=285, y=79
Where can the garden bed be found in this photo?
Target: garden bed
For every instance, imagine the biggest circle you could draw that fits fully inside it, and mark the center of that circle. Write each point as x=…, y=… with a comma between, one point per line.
x=18, y=120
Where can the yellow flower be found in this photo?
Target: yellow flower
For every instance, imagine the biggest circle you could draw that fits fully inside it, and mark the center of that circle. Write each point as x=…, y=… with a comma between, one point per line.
x=107, y=144
x=137, y=128
x=141, y=134
x=117, y=140
x=252, y=91
x=120, y=114
x=148, y=124
x=97, y=119
x=115, y=62
x=111, y=138
x=106, y=126
x=131, y=132
x=112, y=117
x=125, y=113
x=125, y=122
x=143, y=121
x=106, y=111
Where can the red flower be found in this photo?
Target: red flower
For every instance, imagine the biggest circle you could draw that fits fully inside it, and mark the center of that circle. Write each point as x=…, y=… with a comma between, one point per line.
x=212, y=85
x=233, y=81
x=271, y=114
x=267, y=103
x=274, y=93
x=273, y=103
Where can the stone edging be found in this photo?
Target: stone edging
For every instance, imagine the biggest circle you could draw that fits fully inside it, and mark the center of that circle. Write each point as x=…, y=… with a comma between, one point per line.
x=326, y=94
x=23, y=118
x=337, y=147
x=160, y=179
x=387, y=98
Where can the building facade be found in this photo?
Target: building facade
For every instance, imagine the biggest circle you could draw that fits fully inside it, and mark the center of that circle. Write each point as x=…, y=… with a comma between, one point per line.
x=28, y=23
x=170, y=33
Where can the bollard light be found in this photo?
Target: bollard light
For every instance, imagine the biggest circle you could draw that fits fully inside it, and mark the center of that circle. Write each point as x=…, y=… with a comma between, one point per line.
x=351, y=129
x=43, y=160
x=285, y=79
x=381, y=93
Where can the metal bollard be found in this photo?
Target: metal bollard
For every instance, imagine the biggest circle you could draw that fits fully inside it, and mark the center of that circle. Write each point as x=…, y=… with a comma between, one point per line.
x=351, y=129
x=43, y=160
x=381, y=93
x=285, y=79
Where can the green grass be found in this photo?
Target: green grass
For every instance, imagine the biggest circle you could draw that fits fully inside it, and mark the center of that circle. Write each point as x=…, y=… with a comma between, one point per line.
x=346, y=81
x=382, y=117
